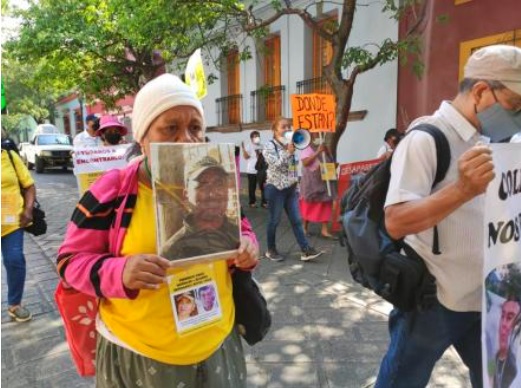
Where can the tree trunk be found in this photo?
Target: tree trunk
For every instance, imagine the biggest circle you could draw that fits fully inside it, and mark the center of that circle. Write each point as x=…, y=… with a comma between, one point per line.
x=343, y=99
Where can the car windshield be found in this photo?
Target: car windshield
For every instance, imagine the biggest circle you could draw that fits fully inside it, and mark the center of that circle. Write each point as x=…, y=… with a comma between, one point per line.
x=53, y=139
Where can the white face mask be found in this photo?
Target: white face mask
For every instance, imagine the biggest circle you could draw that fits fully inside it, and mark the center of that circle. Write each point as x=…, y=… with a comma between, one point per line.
x=317, y=141
x=256, y=140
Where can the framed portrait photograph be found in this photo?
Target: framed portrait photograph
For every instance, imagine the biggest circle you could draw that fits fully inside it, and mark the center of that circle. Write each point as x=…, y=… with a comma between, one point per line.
x=197, y=201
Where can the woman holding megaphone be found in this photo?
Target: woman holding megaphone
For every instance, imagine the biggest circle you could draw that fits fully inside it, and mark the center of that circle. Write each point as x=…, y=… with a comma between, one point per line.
x=281, y=190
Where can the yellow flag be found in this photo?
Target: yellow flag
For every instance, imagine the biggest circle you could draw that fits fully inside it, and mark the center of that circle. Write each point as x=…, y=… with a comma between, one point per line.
x=194, y=74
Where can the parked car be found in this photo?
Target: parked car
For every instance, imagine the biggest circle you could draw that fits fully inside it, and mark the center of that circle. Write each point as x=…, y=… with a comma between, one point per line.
x=47, y=150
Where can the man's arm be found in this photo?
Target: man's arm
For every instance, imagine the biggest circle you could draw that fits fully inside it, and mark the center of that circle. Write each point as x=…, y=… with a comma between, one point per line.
x=476, y=171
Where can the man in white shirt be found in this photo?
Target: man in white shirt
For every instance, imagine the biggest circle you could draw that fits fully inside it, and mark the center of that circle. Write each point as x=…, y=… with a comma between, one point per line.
x=88, y=138
x=489, y=93
x=250, y=153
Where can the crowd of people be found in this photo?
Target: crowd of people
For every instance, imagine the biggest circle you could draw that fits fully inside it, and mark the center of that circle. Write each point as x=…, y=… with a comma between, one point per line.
x=109, y=250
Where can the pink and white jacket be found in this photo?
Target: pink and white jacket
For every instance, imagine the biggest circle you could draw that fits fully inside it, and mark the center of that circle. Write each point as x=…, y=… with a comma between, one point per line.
x=89, y=259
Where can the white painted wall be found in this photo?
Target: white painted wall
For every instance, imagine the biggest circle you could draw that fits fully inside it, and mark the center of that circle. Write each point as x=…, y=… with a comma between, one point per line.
x=375, y=91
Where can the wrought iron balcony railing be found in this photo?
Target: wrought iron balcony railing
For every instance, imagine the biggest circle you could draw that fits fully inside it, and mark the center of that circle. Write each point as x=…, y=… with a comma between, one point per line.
x=266, y=103
x=314, y=85
x=229, y=109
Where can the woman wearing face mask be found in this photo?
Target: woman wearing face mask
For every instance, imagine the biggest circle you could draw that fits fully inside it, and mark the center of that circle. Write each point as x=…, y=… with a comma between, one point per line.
x=281, y=191
x=316, y=203
x=250, y=153
x=110, y=251
x=111, y=131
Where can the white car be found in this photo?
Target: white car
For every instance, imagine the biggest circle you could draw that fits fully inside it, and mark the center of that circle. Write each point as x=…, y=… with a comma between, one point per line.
x=47, y=150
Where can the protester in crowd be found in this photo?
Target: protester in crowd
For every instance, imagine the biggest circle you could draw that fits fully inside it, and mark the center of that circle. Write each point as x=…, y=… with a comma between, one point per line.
x=391, y=139
x=206, y=228
x=281, y=191
x=109, y=251
x=505, y=369
x=316, y=203
x=251, y=152
x=88, y=138
x=489, y=93
x=18, y=195
x=111, y=131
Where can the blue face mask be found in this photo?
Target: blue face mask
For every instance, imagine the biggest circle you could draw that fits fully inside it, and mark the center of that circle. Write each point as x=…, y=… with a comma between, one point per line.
x=498, y=124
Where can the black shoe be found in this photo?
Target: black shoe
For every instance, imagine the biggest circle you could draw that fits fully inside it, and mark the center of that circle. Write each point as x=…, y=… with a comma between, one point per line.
x=310, y=253
x=273, y=255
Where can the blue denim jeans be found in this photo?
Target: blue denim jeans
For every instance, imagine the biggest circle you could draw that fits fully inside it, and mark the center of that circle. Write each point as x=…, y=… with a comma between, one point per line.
x=14, y=263
x=284, y=199
x=419, y=339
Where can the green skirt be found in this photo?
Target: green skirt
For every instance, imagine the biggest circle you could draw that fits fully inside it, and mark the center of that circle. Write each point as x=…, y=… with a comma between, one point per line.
x=117, y=367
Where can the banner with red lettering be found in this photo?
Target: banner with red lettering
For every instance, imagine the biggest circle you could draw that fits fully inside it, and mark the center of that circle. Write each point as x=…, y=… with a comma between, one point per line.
x=91, y=162
x=501, y=312
x=346, y=172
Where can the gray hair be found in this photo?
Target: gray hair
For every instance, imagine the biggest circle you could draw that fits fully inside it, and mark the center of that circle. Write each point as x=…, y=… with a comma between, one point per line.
x=468, y=83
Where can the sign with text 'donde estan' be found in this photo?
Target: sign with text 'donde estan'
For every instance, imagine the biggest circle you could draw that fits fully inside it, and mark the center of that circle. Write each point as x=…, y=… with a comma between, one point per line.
x=314, y=112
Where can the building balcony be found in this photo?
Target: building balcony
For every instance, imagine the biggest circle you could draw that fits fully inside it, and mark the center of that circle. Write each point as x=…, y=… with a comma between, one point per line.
x=314, y=85
x=229, y=110
x=266, y=103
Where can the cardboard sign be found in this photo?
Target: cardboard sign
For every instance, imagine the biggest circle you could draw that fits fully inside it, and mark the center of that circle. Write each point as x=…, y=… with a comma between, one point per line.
x=328, y=171
x=91, y=162
x=314, y=112
x=501, y=312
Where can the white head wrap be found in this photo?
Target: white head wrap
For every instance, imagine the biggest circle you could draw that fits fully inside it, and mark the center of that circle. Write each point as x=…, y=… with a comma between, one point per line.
x=156, y=97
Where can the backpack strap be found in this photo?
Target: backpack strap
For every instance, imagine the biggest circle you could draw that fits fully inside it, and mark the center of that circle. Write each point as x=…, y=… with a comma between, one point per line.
x=14, y=167
x=443, y=161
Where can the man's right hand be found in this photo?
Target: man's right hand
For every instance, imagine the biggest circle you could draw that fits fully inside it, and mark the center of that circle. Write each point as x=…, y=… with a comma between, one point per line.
x=476, y=171
x=145, y=272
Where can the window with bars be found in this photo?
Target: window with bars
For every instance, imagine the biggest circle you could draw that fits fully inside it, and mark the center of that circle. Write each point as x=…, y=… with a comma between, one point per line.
x=272, y=78
x=323, y=52
x=233, y=105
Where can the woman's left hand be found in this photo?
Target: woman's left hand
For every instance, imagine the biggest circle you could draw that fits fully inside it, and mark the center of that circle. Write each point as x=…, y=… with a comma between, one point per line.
x=248, y=254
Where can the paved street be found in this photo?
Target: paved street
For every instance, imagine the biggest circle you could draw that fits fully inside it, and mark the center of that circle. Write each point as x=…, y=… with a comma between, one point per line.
x=327, y=331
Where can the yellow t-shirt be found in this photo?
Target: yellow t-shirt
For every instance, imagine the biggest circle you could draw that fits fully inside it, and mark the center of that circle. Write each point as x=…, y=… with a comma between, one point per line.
x=12, y=200
x=147, y=323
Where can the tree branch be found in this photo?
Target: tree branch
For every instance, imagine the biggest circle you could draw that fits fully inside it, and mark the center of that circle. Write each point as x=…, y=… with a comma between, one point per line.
x=303, y=14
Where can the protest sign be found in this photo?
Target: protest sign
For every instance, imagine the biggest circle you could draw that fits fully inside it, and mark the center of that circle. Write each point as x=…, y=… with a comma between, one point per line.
x=346, y=172
x=501, y=311
x=314, y=112
x=196, y=201
x=194, y=297
x=328, y=171
x=91, y=162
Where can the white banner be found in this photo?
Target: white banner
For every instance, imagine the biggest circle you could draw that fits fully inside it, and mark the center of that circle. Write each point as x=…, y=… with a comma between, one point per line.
x=91, y=162
x=501, y=335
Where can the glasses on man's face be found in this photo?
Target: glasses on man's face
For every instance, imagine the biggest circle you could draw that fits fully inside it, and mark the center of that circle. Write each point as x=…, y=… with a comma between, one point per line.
x=509, y=100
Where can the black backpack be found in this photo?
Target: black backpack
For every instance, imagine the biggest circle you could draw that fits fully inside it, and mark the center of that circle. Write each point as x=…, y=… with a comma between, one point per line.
x=375, y=259
x=9, y=145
